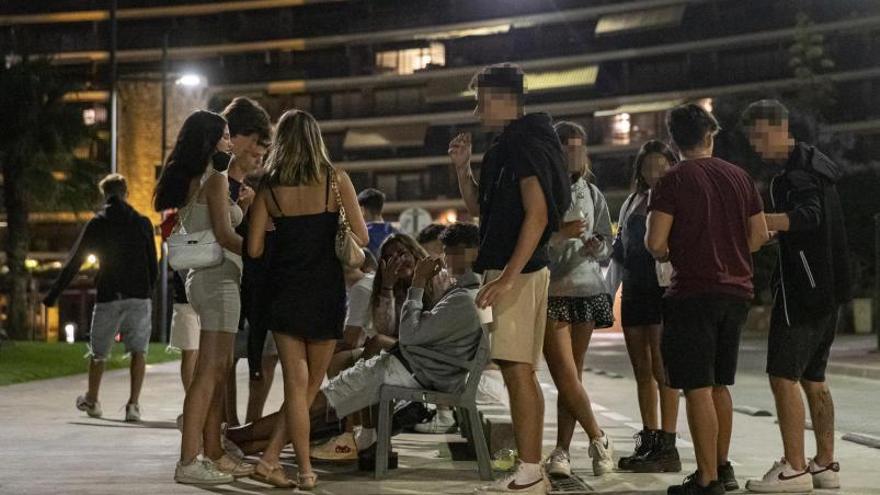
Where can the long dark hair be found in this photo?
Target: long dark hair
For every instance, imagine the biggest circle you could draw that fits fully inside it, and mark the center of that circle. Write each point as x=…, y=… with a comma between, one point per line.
x=417, y=252
x=196, y=143
x=653, y=146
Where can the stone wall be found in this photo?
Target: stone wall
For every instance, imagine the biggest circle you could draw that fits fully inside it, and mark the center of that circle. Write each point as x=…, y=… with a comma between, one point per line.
x=140, y=131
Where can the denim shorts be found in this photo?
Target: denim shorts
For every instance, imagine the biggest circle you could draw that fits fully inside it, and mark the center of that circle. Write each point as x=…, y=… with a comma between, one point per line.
x=358, y=387
x=130, y=317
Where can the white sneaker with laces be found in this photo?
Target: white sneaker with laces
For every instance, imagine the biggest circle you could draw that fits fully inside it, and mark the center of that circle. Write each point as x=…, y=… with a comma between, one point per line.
x=508, y=484
x=442, y=422
x=781, y=478
x=558, y=464
x=93, y=409
x=825, y=476
x=132, y=413
x=201, y=472
x=602, y=453
x=339, y=448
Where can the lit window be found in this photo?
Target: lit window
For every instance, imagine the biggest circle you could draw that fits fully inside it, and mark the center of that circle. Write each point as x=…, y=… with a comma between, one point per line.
x=410, y=60
x=620, y=129
x=640, y=19
x=89, y=117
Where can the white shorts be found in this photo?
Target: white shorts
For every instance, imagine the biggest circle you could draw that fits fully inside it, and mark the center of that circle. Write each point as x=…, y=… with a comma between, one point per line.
x=185, y=328
x=358, y=387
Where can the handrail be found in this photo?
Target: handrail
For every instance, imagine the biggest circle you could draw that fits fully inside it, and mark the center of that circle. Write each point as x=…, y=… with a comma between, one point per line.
x=207, y=8
x=321, y=42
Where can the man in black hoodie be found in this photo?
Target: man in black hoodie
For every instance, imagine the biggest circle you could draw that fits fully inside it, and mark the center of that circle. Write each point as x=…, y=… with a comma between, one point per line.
x=122, y=240
x=811, y=283
x=522, y=193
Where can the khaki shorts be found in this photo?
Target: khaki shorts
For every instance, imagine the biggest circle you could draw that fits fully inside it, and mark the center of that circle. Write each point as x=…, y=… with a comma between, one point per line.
x=519, y=318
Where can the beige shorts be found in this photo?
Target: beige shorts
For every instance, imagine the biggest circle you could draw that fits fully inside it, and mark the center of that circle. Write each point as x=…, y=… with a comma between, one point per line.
x=185, y=328
x=519, y=318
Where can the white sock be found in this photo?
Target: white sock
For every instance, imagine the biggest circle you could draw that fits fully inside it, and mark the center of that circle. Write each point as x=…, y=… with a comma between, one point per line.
x=445, y=414
x=365, y=438
x=527, y=473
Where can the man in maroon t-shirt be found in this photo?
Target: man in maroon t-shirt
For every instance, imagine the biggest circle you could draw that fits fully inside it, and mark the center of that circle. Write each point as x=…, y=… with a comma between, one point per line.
x=706, y=217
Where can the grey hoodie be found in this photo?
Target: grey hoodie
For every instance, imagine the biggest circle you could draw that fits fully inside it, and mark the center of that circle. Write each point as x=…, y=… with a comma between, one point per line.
x=572, y=272
x=436, y=343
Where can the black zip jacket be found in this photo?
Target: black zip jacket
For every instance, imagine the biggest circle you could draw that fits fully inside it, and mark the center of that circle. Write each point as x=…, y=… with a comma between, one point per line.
x=122, y=239
x=812, y=277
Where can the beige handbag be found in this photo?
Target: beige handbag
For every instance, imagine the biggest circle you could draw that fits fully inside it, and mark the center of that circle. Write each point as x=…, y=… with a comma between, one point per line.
x=347, y=249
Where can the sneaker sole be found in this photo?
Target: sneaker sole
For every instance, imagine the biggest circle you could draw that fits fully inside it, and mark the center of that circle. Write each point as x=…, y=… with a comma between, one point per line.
x=779, y=488
x=189, y=481
x=657, y=467
x=603, y=470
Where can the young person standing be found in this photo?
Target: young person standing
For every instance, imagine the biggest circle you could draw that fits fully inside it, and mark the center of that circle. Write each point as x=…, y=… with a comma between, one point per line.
x=706, y=217
x=372, y=202
x=811, y=283
x=522, y=194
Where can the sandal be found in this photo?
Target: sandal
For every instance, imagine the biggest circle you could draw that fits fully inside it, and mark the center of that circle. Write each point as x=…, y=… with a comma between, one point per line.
x=307, y=481
x=275, y=476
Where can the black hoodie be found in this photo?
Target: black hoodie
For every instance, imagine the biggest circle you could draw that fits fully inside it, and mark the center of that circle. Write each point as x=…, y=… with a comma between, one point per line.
x=528, y=147
x=122, y=240
x=812, y=277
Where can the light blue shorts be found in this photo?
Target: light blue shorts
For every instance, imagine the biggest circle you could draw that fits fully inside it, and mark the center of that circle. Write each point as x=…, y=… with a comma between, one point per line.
x=130, y=317
x=358, y=387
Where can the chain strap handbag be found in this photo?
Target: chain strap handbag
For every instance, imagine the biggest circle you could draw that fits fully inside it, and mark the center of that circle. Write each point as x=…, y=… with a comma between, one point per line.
x=347, y=249
x=190, y=251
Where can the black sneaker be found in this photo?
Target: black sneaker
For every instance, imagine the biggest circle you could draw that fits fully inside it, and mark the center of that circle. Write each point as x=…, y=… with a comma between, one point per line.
x=690, y=487
x=662, y=458
x=644, y=443
x=727, y=477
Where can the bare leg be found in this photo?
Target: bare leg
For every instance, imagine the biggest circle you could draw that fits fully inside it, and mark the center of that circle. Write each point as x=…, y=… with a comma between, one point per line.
x=211, y=439
x=668, y=396
x=259, y=390
x=188, y=367
x=137, y=369
x=230, y=397
x=211, y=370
x=96, y=372
x=703, y=423
x=724, y=418
x=822, y=414
x=526, y=408
x=790, y=409
x=638, y=346
x=343, y=360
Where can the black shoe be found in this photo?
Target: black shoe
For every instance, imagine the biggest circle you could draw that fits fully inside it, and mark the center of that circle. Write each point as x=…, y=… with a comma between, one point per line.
x=662, y=458
x=727, y=477
x=645, y=440
x=690, y=487
x=367, y=459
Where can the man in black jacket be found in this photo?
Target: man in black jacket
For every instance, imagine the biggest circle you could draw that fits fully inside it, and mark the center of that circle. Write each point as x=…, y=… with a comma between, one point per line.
x=811, y=283
x=122, y=241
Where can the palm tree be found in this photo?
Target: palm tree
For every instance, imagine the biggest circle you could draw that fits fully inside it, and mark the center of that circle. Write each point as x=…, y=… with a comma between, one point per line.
x=37, y=143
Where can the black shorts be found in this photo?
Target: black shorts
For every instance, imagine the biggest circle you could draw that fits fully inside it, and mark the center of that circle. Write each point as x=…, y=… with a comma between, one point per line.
x=641, y=310
x=700, y=343
x=800, y=351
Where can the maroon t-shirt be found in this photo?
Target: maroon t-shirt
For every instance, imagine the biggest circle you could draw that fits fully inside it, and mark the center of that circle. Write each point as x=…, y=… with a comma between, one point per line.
x=712, y=201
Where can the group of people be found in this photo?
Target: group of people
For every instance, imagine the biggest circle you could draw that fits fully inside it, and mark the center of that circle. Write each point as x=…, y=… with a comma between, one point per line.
x=411, y=314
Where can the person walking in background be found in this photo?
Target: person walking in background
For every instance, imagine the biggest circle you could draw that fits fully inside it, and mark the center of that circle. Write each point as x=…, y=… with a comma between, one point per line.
x=521, y=197
x=122, y=240
x=706, y=217
x=372, y=202
x=579, y=302
x=301, y=193
x=811, y=283
x=191, y=183
x=641, y=312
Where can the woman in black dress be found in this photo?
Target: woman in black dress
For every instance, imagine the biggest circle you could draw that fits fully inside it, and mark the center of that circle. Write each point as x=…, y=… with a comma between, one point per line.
x=307, y=289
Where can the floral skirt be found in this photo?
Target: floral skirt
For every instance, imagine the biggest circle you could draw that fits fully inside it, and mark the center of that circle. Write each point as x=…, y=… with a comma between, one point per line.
x=597, y=309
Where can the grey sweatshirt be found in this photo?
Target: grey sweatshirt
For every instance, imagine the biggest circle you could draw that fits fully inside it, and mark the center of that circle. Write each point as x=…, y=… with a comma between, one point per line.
x=437, y=343
x=574, y=273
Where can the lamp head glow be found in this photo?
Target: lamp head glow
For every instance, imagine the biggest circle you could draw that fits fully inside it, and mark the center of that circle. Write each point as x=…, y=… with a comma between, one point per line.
x=69, y=331
x=190, y=80
x=92, y=259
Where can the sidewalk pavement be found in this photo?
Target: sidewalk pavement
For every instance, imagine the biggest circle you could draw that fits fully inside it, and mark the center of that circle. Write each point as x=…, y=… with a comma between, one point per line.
x=855, y=355
x=48, y=447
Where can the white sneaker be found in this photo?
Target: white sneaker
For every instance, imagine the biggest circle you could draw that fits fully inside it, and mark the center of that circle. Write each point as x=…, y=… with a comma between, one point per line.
x=442, y=422
x=201, y=472
x=558, y=464
x=602, y=453
x=825, y=477
x=508, y=484
x=132, y=413
x=339, y=448
x=93, y=409
x=781, y=478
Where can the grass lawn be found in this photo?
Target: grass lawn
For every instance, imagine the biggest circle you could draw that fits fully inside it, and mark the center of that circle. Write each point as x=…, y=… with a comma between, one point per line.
x=26, y=361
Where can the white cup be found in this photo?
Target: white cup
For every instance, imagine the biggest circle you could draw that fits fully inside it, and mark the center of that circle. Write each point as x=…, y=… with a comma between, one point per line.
x=485, y=315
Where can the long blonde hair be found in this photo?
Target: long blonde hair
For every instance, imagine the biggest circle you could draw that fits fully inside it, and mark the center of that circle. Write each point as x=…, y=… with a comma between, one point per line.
x=298, y=156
